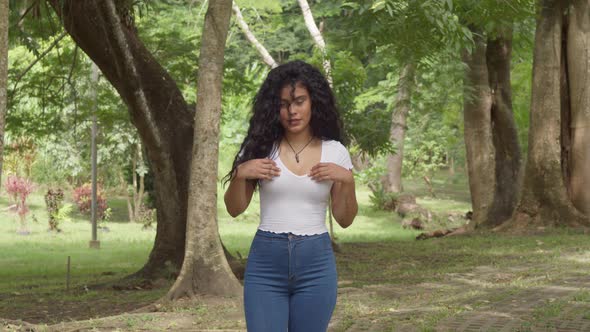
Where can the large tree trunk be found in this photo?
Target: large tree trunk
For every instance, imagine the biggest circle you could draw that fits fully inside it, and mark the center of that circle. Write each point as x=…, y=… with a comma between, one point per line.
x=205, y=269
x=578, y=66
x=504, y=132
x=397, y=134
x=3, y=75
x=156, y=107
x=478, y=130
x=491, y=138
x=545, y=200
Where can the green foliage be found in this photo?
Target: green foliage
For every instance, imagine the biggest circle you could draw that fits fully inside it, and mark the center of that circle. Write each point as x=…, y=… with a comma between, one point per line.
x=63, y=214
x=171, y=31
x=30, y=22
x=146, y=217
x=411, y=30
x=371, y=119
x=53, y=202
x=285, y=36
x=371, y=175
x=272, y=6
x=382, y=200
x=424, y=157
x=492, y=16
x=20, y=156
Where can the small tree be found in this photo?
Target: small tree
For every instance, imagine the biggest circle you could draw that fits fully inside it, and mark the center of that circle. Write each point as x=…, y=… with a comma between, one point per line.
x=20, y=189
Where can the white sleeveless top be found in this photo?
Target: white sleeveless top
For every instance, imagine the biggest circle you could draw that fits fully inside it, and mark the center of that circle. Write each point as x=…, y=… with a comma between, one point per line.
x=296, y=204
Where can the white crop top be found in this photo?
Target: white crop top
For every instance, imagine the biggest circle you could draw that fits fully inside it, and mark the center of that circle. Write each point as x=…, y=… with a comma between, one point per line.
x=296, y=204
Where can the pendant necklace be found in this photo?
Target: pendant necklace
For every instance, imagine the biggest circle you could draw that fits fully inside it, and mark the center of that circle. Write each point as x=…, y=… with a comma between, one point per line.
x=297, y=153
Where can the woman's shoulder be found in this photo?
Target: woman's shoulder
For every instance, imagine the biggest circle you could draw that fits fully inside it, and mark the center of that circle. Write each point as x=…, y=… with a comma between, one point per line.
x=334, y=148
x=334, y=145
x=337, y=153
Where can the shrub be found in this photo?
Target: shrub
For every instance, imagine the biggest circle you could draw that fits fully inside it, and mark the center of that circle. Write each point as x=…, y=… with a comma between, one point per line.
x=381, y=200
x=12, y=186
x=146, y=216
x=20, y=189
x=83, y=198
x=63, y=214
x=54, y=202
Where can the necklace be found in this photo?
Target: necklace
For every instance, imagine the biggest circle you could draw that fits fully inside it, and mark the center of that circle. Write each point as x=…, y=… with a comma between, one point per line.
x=297, y=153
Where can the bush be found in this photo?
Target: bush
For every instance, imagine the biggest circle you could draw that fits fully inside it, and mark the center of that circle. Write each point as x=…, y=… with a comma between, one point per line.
x=382, y=200
x=54, y=202
x=19, y=189
x=83, y=199
x=146, y=216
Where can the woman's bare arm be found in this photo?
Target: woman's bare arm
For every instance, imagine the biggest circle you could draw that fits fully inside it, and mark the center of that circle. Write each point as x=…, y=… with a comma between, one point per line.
x=344, y=204
x=238, y=196
x=239, y=193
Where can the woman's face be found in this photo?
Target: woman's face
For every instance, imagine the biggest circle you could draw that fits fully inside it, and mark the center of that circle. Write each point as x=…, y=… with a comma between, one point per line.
x=295, y=109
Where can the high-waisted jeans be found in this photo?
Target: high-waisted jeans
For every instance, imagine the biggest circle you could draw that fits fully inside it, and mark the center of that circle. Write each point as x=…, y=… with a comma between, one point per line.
x=290, y=283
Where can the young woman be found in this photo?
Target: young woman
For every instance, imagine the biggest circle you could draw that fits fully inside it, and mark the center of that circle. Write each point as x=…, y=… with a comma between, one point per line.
x=293, y=153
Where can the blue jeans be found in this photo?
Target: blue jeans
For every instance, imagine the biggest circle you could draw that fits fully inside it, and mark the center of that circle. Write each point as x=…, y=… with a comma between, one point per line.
x=290, y=283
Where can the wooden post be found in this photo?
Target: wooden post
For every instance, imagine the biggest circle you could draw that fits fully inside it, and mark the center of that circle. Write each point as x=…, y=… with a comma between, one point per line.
x=68, y=276
x=94, y=243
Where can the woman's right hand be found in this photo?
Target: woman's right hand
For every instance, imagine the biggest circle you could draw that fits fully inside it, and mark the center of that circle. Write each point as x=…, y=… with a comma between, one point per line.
x=258, y=169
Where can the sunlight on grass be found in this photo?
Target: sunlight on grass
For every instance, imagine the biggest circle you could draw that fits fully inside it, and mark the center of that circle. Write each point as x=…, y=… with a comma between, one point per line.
x=39, y=259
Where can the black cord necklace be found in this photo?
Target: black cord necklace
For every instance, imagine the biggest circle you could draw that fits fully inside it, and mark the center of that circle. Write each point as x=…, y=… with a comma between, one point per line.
x=297, y=153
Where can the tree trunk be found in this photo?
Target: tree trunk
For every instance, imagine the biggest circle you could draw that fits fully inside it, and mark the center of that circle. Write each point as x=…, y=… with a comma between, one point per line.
x=451, y=166
x=491, y=137
x=578, y=66
x=266, y=57
x=397, y=132
x=156, y=107
x=544, y=199
x=205, y=269
x=3, y=75
x=504, y=132
x=478, y=130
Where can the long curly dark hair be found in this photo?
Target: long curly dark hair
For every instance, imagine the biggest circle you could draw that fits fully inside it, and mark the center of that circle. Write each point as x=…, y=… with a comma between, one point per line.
x=266, y=131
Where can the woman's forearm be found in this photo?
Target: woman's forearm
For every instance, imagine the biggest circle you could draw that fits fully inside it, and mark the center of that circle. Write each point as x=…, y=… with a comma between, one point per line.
x=344, y=204
x=238, y=196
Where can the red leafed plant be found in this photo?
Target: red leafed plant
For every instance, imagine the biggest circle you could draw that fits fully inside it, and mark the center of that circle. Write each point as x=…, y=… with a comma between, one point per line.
x=83, y=199
x=19, y=189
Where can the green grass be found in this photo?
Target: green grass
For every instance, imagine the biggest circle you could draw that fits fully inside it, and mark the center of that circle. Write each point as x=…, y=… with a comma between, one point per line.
x=38, y=261
x=376, y=251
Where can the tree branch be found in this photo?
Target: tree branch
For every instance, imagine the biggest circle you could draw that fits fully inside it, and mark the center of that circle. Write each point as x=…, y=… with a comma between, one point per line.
x=316, y=35
x=143, y=105
x=266, y=57
x=36, y=3
x=20, y=76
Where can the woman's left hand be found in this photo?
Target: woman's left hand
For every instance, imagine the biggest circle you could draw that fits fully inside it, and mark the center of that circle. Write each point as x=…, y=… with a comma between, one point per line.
x=330, y=171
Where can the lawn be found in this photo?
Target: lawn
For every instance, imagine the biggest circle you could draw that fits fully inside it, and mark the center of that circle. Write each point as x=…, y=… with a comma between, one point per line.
x=388, y=281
